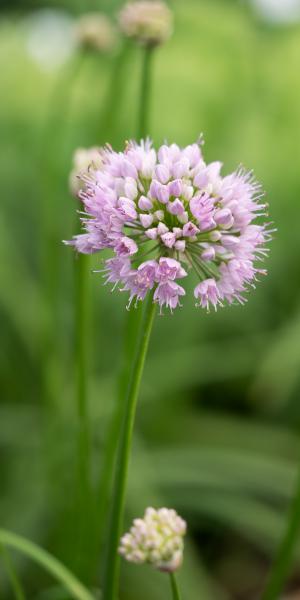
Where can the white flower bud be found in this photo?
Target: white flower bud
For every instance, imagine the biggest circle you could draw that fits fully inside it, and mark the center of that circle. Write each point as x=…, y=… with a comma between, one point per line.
x=157, y=539
x=147, y=21
x=96, y=32
x=84, y=160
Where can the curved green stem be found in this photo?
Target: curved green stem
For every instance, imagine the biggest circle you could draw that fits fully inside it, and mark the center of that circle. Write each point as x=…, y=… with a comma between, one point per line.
x=282, y=564
x=111, y=573
x=174, y=587
x=12, y=574
x=48, y=562
x=143, y=122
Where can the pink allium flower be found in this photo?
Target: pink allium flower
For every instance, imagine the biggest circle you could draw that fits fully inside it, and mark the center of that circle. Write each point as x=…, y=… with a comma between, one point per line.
x=166, y=214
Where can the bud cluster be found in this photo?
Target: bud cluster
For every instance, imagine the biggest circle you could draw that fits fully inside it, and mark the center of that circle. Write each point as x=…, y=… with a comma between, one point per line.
x=147, y=21
x=95, y=31
x=157, y=539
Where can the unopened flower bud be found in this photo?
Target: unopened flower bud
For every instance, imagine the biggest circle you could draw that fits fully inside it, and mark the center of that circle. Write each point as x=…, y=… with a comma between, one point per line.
x=157, y=539
x=175, y=187
x=159, y=214
x=180, y=245
x=146, y=220
x=176, y=207
x=169, y=239
x=147, y=21
x=151, y=233
x=145, y=203
x=84, y=159
x=224, y=218
x=95, y=32
x=183, y=218
x=162, y=228
x=208, y=254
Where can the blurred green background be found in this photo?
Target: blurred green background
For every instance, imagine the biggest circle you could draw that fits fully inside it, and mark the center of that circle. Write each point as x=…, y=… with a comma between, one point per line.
x=217, y=433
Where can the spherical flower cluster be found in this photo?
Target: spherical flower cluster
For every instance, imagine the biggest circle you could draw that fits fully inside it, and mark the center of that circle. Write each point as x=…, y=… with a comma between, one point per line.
x=95, y=32
x=148, y=21
x=164, y=214
x=156, y=539
x=84, y=160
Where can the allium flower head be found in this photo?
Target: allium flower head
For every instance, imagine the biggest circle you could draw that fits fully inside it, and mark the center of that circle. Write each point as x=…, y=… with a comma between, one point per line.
x=166, y=214
x=157, y=539
x=96, y=32
x=148, y=21
x=84, y=160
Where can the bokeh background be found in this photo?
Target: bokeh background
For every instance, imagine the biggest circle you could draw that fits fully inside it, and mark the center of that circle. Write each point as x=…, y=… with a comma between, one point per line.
x=217, y=433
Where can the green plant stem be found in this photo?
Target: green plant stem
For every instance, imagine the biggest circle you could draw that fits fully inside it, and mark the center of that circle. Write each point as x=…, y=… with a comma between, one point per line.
x=81, y=318
x=85, y=507
x=282, y=563
x=111, y=572
x=12, y=574
x=48, y=562
x=114, y=98
x=49, y=158
x=108, y=122
x=145, y=92
x=174, y=587
x=133, y=319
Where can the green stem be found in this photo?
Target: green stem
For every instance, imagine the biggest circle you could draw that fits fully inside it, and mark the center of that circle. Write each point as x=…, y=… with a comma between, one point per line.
x=12, y=574
x=174, y=587
x=134, y=317
x=81, y=300
x=115, y=93
x=132, y=326
x=143, y=122
x=111, y=572
x=108, y=126
x=84, y=437
x=282, y=564
x=48, y=562
x=49, y=157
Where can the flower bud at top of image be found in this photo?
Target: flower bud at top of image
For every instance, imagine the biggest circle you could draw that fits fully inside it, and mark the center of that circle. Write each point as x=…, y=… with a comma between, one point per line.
x=148, y=22
x=95, y=31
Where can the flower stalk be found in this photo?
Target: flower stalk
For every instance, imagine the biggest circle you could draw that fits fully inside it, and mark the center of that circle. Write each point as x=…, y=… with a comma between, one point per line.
x=174, y=587
x=85, y=512
x=143, y=122
x=82, y=268
x=133, y=319
x=111, y=572
x=282, y=564
x=47, y=148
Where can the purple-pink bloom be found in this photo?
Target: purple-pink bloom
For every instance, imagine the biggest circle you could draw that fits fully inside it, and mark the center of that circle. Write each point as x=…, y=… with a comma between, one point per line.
x=168, y=293
x=167, y=214
x=207, y=293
